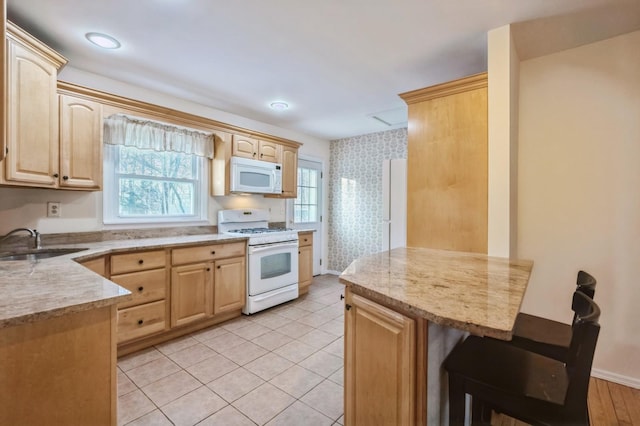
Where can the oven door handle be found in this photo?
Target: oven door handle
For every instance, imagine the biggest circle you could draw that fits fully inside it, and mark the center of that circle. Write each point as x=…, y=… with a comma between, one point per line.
x=272, y=247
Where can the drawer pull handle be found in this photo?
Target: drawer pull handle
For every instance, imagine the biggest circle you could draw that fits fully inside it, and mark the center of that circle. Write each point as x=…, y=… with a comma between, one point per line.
x=213, y=252
x=140, y=261
x=140, y=322
x=140, y=288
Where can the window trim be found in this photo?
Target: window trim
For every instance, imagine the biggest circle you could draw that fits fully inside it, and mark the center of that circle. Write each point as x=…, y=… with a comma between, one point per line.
x=110, y=202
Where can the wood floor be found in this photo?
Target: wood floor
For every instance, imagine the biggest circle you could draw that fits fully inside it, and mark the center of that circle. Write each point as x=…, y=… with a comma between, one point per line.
x=609, y=404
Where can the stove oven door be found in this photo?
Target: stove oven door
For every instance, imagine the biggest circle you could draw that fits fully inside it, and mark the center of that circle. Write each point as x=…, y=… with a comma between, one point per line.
x=272, y=266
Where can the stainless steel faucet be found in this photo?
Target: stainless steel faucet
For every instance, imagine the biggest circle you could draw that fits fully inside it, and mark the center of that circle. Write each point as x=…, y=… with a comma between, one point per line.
x=35, y=234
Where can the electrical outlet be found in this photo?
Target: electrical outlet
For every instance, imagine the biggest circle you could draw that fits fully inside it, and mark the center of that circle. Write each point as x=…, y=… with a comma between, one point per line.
x=53, y=209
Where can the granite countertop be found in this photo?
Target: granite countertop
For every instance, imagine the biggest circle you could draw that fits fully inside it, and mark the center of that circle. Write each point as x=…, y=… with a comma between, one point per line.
x=468, y=291
x=35, y=290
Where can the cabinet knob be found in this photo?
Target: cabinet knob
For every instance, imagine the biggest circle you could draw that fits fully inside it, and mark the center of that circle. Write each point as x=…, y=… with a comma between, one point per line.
x=55, y=175
x=254, y=154
x=261, y=155
x=140, y=262
x=208, y=269
x=140, y=288
x=140, y=322
x=347, y=306
x=341, y=296
x=213, y=252
x=299, y=252
x=305, y=240
x=218, y=266
x=65, y=177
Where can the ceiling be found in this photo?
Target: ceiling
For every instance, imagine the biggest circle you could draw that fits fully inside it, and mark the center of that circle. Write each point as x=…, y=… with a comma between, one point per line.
x=337, y=63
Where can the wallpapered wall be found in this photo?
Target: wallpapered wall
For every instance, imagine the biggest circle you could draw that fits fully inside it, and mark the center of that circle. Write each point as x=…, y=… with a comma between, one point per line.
x=355, y=193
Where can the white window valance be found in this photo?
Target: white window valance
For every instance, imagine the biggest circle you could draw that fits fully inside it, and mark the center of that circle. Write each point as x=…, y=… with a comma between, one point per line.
x=120, y=129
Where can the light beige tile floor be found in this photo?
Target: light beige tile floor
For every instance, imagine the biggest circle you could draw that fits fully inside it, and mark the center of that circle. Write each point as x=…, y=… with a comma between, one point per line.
x=282, y=366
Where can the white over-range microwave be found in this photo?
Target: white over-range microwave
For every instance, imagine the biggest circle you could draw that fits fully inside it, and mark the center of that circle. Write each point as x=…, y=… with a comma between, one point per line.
x=255, y=176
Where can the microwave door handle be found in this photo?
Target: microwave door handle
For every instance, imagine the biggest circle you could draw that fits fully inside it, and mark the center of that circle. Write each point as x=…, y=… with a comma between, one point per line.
x=260, y=249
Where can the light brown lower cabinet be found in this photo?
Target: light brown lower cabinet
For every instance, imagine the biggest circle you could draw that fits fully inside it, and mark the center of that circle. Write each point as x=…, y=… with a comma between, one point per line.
x=191, y=293
x=305, y=262
x=60, y=371
x=384, y=371
x=229, y=285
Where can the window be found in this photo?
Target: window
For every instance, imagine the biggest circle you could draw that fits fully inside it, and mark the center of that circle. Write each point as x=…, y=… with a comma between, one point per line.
x=147, y=186
x=306, y=205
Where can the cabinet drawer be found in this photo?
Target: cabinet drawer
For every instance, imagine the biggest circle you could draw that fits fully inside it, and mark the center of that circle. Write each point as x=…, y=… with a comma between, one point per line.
x=145, y=286
x=140, y=321
x=139, y=261
x=194, y=254
x=305, y=239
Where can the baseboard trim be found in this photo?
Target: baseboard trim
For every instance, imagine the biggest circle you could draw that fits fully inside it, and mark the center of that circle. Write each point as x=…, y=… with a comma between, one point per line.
x=329, y=271
x=616, y=378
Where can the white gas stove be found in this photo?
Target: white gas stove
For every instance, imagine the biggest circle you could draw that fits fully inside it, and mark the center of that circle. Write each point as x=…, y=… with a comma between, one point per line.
x=272, y=272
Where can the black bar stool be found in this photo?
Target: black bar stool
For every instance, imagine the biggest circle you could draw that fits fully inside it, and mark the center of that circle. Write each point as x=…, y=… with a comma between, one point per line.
x=523, y=384
x=547, y=337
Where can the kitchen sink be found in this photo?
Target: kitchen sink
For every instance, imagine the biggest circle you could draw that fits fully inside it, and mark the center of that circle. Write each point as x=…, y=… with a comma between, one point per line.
x=39, y=253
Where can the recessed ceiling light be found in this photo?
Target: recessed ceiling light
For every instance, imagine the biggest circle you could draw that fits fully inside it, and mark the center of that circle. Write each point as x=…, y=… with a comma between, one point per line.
x=279, y=105
x=103, y=40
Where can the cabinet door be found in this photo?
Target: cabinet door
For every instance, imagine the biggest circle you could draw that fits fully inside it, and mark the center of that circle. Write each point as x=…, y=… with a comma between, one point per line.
x=229, y=285
x=243, y=146
x=305, y=268
x=191, y=293
x=289, y=172
x=380, y=370
x=270, y=151
x=80, y=143
x=32, y=118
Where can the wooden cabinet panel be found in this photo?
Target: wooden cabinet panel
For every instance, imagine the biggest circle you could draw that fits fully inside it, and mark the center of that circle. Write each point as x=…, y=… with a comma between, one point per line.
x=289, y=172
x=80, y=143
x=32, y=115
x=447, y=166
x=181, y=256
x=145, y=286
x=137, y=261
x=229, y=285
x=269, y=151
x=97, y=265
x=380, y=374
x=243, y=146
x=140, y=321
x=191, y=293
x=60, y=371
x=305, y=261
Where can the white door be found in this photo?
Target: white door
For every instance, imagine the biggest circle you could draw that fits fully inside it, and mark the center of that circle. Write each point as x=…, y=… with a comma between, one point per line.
x=305, y=212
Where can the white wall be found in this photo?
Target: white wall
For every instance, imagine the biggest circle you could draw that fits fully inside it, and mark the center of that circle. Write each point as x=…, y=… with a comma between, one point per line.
x=82, y=211
x=578, y=190
x=503, y=70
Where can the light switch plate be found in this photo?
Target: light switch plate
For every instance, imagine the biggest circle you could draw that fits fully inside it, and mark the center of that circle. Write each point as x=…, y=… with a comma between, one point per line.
x=53, y=209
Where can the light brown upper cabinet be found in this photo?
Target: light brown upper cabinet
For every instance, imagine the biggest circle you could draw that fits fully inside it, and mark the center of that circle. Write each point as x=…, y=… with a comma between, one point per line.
x=80, y=143
x=247, y=147
x=32, y=111
x=289, y=173
x=447, y=165
x=3, y=67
